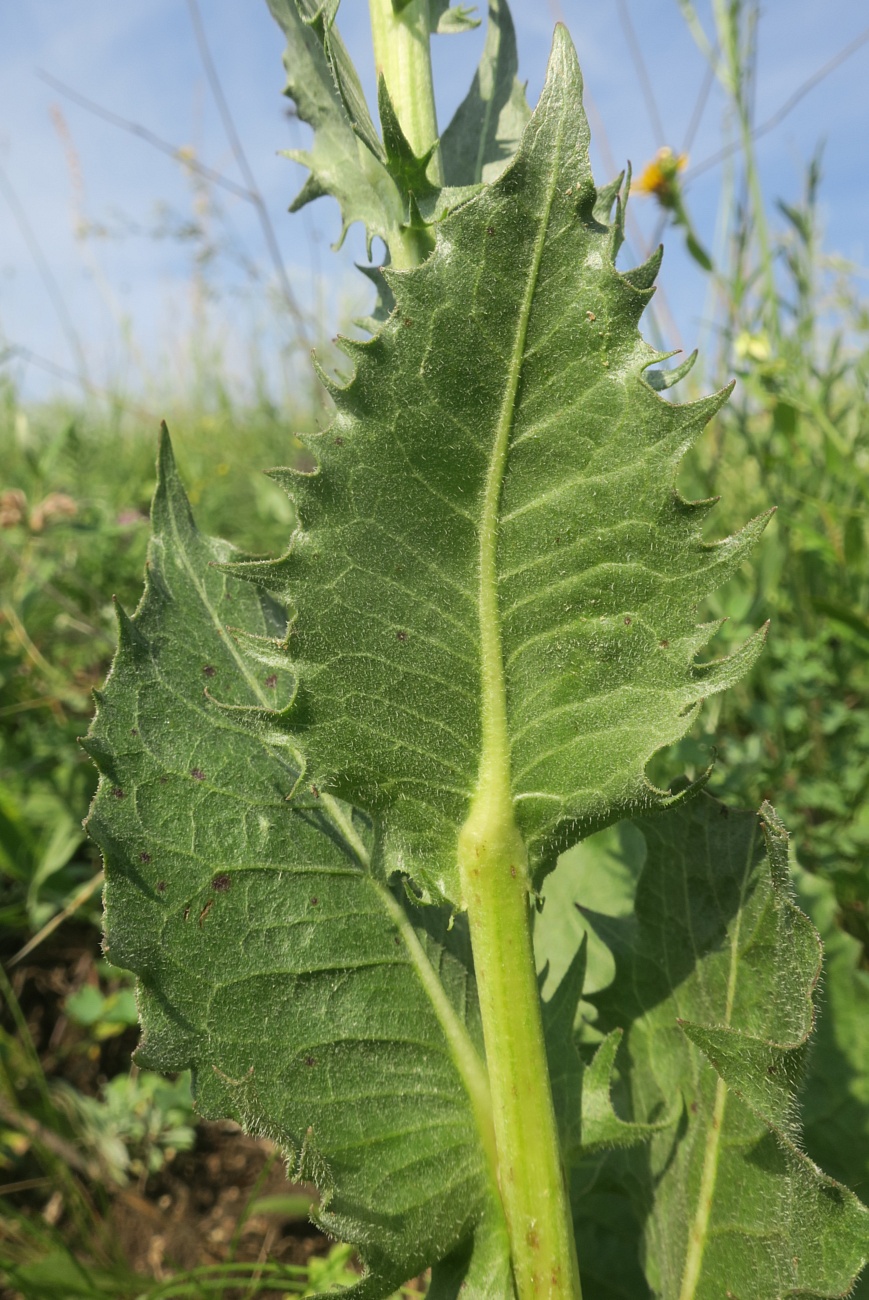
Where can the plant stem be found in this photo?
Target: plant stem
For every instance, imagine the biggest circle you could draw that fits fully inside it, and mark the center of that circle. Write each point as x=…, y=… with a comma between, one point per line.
x=402, y=53
x=492, y=859
x=493, y=866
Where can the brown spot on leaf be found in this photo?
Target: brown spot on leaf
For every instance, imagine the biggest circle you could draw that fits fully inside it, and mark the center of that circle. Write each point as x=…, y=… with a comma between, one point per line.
x=490, y=230
x=407, y=322
x=144, y=857
x=665, y=645
x=694, y=1108
x=589, y=315
x=272, y=680
x=187, y=914
x=197, y=774
x=161, y=886
x=314, y=901
x=134, y=731
x=315, y=792
x=209, y=670
x=310, y=1060
x=628, y=620
x=118, y=792
x=401, y=636
x=206, y=909
x=220, y=884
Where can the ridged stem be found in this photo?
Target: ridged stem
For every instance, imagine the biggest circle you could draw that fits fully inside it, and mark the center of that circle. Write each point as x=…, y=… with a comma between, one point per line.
x=402, y=53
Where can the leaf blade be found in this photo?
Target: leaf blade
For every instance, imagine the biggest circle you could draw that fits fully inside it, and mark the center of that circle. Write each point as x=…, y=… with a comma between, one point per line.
x=310, y=1002
x=729, y=1199
x=513, y=348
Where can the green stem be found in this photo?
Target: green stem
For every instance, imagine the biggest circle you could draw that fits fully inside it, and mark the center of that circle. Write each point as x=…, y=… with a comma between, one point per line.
x=402, y=53
x=494, y=872
x=492, y=859
x=496, y=889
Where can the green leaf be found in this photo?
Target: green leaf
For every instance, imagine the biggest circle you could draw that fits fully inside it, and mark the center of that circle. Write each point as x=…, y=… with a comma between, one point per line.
x=835, y=1099
x=582, y=1092
x=346, y=158
x=502, y=411
x=487, y=127
x=312, y=1002
x=715, y=980
x=445, y=20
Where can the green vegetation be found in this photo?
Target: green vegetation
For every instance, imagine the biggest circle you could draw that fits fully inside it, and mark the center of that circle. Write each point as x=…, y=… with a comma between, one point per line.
x=689, y=1061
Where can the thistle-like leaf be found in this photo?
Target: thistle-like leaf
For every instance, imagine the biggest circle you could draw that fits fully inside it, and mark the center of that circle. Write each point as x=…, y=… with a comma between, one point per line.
x=376, y=182
x=494, y=526
x=715, y=982
x=313, y=1003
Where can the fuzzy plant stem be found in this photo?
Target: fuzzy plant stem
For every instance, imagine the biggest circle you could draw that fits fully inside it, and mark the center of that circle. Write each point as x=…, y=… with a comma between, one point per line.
x=402, y=53
x=492, y=858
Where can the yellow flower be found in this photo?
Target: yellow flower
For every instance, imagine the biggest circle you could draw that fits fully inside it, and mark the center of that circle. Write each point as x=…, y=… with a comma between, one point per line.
x=659, y=175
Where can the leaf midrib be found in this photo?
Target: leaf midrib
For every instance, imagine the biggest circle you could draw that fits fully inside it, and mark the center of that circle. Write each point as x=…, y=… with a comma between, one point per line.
x=495, y=781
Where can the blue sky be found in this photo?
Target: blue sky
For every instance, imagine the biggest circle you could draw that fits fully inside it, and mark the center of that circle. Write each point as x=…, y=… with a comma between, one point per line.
x=128, y=285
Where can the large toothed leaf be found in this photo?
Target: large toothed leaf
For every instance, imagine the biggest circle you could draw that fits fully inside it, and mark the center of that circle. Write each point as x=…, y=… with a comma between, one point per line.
x=715, y=979
x=312, y=1003
x=503, y=402
x=487, y=127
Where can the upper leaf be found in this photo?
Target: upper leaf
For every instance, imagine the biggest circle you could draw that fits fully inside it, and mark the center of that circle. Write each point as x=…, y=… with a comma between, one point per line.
x=714, y=986
x=346, y=158
x=505, y=397
x=488, y=124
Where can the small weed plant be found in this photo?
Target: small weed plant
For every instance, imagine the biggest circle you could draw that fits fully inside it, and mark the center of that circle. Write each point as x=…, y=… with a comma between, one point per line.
x=342, y=791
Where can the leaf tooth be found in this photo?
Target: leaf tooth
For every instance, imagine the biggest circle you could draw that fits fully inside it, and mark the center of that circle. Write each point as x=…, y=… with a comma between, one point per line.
x=313, y=187
x=663, y=379
x=170, y=505
x=696, y=510
x=273, y=574
x=694, y=416
x=643, y=277
x=333, y=387
x=357, y=350
x=729, y=552
x=606, y=197
x=130, y=639
x=721, y=673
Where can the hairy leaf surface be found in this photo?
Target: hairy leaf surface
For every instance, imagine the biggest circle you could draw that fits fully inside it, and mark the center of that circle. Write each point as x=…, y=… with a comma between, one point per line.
x=504, y=397
x=835, y=1100
x=715, y=979
x=313, y=1004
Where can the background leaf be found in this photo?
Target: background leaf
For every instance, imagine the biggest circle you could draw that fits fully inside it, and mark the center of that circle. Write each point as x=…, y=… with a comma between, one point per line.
x=485, y=131
x=719, y=965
